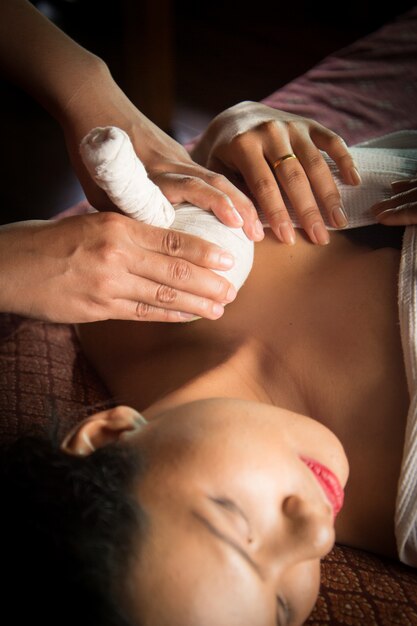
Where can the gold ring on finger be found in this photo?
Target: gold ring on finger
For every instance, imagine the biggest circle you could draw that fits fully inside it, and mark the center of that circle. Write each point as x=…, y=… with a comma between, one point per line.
x=278, y=162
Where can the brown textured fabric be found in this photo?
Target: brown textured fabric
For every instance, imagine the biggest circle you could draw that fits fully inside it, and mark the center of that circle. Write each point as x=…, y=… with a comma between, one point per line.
x=359, y=588
x=43, y=371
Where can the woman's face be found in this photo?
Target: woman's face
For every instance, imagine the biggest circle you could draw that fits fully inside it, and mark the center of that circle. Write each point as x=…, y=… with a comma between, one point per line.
x=238, y=520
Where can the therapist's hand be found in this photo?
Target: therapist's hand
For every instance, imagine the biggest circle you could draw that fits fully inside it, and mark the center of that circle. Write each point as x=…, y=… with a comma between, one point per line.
x=77, y=88
x=107, y=266
x=250, y=139
x=401, y=208
x=100, y=102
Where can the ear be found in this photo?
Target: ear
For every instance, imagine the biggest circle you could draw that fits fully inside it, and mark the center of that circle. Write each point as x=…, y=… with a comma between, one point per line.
x=102, y=428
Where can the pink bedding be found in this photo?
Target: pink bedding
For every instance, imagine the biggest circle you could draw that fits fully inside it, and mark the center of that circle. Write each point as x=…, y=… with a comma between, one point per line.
x=364, y=90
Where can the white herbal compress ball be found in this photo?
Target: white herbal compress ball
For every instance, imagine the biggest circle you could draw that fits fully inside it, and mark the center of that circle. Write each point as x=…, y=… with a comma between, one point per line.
x=112, y=162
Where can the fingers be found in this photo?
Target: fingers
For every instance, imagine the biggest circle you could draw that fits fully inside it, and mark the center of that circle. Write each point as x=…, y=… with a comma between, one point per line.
x=214, y=192
x=292, y=177
x=148, y=300
x=143, y=272
x=176, y=284
x=319, y=178
x=181, y=245
x=404, y=185
x=308, y=180
x=401, y=208
x=263, y=186
x=305, y=177
x=328, y=141
x=143, y=312
x=262, y=172
x=177, y=294
x=296, y=175
x=169, y=279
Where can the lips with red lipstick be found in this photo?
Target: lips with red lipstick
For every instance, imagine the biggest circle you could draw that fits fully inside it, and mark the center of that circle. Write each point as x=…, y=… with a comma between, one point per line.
x=329, y=483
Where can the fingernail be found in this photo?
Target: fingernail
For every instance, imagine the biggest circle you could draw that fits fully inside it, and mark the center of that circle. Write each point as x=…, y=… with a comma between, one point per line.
x=355, y=176
x=231, y=294
x=237, y=216
x=259, y=229
x=286, y=233
x=187, y=316
x=388, y=212
x=225, y=260
x=217, y=309
x=379, y=207
x=320, y=234
x=340, y=217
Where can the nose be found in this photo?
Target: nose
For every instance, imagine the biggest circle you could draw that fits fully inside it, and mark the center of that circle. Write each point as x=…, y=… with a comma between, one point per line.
x=311, y=523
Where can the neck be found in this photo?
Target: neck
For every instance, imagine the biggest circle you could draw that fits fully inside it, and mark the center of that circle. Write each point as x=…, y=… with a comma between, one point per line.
x=241, y=375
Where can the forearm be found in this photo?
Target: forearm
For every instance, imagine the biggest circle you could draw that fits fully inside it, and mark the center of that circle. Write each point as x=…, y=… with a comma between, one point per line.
x=40, y=58
x=17, y=258
x=77, y=88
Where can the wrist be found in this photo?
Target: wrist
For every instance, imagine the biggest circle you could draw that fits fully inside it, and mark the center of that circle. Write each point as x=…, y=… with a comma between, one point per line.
x=96, y=100
x=82, y=90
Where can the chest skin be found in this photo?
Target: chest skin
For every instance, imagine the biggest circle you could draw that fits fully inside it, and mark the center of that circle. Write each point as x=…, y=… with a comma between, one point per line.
x=314, y=330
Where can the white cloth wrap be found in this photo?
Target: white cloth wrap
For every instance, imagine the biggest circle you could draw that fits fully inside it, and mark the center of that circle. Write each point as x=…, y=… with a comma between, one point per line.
x=110, y=158
x=379, y=162
x=406, y=509
x=194, y=221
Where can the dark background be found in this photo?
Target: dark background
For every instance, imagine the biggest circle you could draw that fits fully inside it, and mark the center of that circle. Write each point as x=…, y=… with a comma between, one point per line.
x=181, y=62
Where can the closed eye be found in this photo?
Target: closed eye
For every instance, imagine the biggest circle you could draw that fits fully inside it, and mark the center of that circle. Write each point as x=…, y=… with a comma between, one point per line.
x=238, y=516
x=231, y=506
x=283, y=609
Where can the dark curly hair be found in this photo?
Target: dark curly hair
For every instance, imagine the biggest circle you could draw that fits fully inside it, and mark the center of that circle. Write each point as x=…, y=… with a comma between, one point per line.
x=69, y=527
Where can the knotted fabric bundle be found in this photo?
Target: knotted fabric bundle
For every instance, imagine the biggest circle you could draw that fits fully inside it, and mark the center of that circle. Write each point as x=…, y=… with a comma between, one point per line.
x=113, y=164
x=109, y=156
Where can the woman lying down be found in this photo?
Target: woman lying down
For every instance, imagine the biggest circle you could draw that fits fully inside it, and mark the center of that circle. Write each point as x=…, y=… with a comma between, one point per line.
x=215, y=503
